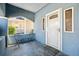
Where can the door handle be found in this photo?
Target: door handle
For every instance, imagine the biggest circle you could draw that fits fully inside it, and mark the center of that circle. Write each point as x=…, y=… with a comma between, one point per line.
x=59, y=30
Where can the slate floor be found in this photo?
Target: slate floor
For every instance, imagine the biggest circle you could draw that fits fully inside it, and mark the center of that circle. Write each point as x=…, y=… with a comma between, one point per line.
x=32, y=48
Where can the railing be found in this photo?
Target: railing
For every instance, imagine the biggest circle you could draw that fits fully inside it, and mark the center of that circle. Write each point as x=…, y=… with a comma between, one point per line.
x=21, y=38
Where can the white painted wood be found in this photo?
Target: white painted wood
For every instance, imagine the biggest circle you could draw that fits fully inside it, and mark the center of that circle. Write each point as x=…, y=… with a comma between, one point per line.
x=52, y=28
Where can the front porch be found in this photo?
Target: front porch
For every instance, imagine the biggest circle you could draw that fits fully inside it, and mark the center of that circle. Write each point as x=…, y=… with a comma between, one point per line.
x=32, y=48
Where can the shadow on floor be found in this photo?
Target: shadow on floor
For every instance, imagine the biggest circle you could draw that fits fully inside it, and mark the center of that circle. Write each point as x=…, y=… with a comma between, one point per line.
x=32, y=48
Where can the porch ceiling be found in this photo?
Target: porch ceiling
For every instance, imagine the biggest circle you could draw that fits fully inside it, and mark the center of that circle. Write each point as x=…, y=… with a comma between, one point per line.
x=33, y=7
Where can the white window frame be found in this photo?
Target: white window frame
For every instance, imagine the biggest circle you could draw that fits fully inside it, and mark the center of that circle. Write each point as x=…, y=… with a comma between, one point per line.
x=72, y=20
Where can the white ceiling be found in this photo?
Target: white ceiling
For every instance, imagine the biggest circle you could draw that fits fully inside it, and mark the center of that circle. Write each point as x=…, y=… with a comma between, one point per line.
x=33, y=7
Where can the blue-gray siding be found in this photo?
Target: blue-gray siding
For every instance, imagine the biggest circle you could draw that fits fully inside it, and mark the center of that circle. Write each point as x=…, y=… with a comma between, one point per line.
x=70, y=41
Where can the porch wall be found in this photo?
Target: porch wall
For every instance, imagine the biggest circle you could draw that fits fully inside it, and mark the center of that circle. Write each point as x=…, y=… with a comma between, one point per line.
x=70, y=41
x=2, y=9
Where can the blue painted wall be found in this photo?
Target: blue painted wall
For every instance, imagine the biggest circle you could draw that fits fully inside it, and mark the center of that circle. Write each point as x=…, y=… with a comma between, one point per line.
x=3, y=26
x=70, y=41
x=3, y=29
x=3, y=21
x=3, y=33
x=2, y=9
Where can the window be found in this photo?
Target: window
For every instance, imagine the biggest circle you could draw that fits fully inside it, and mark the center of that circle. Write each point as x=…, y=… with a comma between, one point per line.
x=68, y=20
x=55, y=15
x=43, y=22
x=25, y=26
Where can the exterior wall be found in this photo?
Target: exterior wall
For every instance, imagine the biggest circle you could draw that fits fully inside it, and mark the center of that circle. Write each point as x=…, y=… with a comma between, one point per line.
x=3, y=28
x=2, y=9
x=70, y=41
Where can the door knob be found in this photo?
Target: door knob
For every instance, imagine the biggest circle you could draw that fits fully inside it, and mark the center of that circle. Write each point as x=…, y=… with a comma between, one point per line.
x=59, y=30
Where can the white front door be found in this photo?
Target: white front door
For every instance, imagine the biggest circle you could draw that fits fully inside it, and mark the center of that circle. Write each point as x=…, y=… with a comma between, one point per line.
x=53, y=30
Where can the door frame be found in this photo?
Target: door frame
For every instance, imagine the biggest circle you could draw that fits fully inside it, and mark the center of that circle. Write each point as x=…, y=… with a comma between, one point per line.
x=60, y=17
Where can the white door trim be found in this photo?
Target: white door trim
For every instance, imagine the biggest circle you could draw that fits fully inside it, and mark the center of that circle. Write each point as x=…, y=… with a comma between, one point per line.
x=60, y=16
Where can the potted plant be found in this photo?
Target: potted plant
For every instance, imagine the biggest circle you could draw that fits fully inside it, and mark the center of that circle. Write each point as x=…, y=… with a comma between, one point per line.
x=11, y=32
